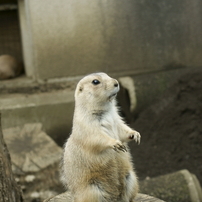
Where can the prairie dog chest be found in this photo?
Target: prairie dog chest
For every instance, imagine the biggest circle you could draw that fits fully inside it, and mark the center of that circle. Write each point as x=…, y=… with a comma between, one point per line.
x=109, y=125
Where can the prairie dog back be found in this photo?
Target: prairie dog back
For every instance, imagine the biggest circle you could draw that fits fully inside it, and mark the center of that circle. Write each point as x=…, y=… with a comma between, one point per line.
x=97, y=163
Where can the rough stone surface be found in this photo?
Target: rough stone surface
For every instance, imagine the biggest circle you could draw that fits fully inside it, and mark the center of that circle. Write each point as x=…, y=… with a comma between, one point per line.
x=31, y=149
x=174, y=187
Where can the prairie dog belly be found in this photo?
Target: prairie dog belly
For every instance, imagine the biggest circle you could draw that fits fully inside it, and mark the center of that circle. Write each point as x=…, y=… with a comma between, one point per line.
x=108, y=171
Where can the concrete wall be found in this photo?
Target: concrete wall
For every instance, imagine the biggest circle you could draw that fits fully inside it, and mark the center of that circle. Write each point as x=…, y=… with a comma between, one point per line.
x=53, y=109
x=66, y=38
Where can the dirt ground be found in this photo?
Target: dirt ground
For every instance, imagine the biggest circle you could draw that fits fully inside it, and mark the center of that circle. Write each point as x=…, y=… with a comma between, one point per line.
x=171, y=130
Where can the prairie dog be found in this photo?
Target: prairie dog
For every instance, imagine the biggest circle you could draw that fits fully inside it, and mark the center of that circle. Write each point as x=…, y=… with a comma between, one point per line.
x=9, y=67
x=97, y=164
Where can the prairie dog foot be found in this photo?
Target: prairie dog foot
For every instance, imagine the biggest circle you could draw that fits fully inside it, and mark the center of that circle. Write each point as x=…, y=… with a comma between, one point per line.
x=118, y=146
x=134, y=135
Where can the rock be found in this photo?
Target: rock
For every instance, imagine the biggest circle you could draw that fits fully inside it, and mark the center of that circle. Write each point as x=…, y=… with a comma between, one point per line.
x=30, y=178
x=31, y=149
x=175, y=187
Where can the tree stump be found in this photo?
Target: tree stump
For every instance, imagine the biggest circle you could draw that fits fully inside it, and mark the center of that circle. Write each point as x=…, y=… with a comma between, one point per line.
x=66, y=197
x=9, y=190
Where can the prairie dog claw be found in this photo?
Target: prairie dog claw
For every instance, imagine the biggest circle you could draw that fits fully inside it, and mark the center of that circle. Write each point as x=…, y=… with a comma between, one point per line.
x=119, y=147
x=135, y=136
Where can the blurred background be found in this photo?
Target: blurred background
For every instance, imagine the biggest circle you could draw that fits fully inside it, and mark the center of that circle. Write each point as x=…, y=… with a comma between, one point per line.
x=154, y=48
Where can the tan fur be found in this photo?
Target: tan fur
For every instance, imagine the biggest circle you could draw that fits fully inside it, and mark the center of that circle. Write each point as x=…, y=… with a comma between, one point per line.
x=9, y=67
x=97, y=162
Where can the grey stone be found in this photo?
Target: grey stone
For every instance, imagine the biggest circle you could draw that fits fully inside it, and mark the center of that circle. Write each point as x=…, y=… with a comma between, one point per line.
x=179, y=186
x=31, y=149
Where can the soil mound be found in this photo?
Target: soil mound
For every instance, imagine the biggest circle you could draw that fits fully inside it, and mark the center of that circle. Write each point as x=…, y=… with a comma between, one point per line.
x=171, y=130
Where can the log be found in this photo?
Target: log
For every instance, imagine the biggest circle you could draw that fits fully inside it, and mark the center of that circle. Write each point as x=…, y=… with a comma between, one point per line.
x=66, y=197
x=179, y=186
x=9, y=190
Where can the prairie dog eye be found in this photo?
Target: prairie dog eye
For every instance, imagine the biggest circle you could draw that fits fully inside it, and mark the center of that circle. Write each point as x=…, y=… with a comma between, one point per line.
x=95, y=82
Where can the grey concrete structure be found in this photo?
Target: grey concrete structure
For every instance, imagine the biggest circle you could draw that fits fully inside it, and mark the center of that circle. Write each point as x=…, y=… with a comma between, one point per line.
x=154, y=42
x=53, y=109
x=67, y=38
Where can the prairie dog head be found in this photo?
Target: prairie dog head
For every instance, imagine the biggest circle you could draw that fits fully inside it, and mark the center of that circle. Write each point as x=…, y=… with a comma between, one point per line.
x=96, y=89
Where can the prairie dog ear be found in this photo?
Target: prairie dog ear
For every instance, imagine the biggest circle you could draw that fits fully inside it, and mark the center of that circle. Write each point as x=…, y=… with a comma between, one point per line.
x=80, y=88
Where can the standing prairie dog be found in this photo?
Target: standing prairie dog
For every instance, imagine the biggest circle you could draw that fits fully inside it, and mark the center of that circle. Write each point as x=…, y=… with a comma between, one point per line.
x=97, y=165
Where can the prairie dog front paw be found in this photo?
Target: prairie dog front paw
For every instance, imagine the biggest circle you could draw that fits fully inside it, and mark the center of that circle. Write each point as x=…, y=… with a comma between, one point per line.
x=134, y=135
x=118, y=146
